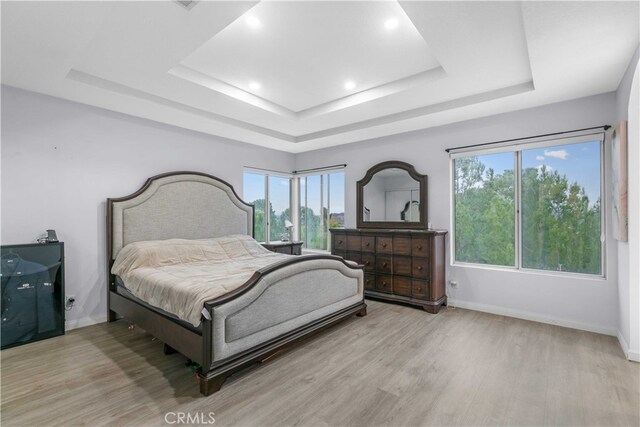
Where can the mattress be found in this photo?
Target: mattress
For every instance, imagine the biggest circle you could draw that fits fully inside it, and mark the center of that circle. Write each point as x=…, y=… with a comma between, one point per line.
x=178, y=276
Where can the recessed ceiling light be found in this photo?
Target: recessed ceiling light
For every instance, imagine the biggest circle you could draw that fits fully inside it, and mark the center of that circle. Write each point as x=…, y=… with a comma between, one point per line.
x=253, y=21
x=391, y=23
x=254, y=85
x=349, y=85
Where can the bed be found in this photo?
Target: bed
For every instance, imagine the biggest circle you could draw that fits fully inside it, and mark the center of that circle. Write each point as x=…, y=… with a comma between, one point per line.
x=181, y=215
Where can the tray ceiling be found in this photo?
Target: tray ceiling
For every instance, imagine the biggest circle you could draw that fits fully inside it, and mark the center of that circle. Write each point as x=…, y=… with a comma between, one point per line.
x=298, y=76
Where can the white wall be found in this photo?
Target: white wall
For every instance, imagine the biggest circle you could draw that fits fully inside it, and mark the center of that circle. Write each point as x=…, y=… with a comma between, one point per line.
x=590, y=304
x=61, y=160
x=629, y=272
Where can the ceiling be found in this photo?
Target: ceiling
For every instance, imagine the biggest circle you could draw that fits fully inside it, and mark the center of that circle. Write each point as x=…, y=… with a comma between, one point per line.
x=298, y=76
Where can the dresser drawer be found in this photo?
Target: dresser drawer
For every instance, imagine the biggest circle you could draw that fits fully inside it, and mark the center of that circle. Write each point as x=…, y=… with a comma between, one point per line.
x=369, y=262
x=341, y=254
x=340, y=242
x=420, y=289
x=384, y=245
x=402, y=265
x=383, y=264
x=402, y=245
x=384, y=283
x=402, y=286
x=353, y=242
x=420, y=247
x=368, y=243
x=370, y=282
x=420, y=267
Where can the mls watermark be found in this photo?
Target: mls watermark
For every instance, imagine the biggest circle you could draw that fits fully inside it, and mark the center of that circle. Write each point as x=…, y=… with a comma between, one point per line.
x=189, y=418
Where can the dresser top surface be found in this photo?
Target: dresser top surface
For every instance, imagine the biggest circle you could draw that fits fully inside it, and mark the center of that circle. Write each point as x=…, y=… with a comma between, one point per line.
x=388, y=231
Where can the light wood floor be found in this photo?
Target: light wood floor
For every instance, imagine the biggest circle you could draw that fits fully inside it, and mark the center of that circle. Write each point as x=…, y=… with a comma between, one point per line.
x=396, y=366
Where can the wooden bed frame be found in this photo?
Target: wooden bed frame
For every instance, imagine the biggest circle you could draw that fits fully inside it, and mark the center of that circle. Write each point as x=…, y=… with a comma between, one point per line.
x=198, y=346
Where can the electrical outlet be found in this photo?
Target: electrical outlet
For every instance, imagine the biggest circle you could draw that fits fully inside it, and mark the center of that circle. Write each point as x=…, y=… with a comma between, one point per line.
x=453, y=283
x=70, y=301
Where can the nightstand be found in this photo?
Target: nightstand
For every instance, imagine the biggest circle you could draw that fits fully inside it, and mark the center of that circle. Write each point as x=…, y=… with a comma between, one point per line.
x=290, y=248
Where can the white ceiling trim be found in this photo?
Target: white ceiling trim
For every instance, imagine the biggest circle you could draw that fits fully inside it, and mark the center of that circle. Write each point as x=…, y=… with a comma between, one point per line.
x=406, y=83
x=423, y=111
x=478, y=98
x=101, y=83
x=374, y=93
x=194, y=76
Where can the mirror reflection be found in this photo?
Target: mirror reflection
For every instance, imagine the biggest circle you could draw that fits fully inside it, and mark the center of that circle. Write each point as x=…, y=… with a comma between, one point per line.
x=391, y=195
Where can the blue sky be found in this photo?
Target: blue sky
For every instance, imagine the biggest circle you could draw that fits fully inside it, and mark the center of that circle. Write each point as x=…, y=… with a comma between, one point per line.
x=578, y=162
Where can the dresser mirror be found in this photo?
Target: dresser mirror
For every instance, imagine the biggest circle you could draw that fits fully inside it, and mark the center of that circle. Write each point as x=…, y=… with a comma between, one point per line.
x=392, y=195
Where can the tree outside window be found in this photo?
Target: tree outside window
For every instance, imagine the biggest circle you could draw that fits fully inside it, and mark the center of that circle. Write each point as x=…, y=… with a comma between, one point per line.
x=558, y=226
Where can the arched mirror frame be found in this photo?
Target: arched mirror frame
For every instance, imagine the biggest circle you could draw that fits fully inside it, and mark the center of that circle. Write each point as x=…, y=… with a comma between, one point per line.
x=422, y=180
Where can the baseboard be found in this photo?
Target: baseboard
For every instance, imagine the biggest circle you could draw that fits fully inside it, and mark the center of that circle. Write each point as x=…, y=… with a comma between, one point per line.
x=503, y=311
x=628, y=353
x=623, y=345
x=82, y=322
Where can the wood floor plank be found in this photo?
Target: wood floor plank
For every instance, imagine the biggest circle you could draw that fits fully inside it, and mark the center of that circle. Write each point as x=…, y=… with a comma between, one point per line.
x=396, y=366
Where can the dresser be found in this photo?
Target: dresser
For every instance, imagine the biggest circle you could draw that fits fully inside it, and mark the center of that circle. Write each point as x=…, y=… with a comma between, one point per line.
x=400, y=265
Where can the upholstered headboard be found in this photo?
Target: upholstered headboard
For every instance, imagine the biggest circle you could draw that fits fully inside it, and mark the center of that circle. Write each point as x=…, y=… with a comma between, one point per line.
x=186, y=205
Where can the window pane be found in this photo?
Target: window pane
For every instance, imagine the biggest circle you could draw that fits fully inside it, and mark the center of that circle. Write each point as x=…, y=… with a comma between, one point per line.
x=561, y=208
x=302, y=186
x=279, y=207
x=336, y=200
x=336, y=203
x=321, y=208
x=324, y=220
x=253, y=187
x=484, y=189
x=311, y=212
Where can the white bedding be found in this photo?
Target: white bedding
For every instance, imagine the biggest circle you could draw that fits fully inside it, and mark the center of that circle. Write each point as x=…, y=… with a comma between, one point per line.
x=179, y=275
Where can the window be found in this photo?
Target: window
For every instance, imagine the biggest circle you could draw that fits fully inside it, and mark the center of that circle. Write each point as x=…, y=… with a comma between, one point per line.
x=279, y=198
x=321, y=208
x=485, y=209
x=534, y=206
x=273, y=191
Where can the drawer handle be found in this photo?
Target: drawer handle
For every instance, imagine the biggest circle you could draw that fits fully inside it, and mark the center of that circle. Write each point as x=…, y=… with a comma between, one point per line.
x=419, y=247
x=384, y=264
x=419, y=268
x=367, y=244
x=384, y=283
x=339, y=242
x=368, y=263
x=367, y=281
x=384, y=245
x=419, y=289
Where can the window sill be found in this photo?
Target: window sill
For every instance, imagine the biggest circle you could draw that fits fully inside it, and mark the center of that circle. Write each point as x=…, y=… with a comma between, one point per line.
x=530, y=271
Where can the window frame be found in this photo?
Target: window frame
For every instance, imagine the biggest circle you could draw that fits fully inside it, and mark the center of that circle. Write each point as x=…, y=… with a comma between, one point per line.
x=303, y=203
x=517, y=150
x=267, y=197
